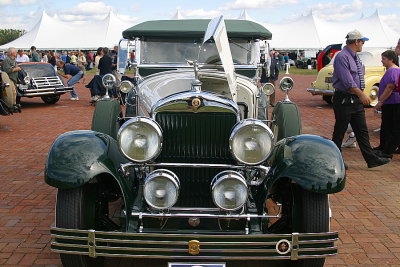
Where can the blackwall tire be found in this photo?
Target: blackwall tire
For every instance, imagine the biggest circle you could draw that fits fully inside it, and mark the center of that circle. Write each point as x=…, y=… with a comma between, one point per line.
x=314, y=212
x=50, y=99
x=75, y=209
x=327, y=99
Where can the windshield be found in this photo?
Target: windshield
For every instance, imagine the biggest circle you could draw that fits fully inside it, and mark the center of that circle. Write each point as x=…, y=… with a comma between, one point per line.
x=177, y=52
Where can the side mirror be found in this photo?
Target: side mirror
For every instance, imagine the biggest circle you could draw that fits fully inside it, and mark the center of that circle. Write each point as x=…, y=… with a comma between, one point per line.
x=286, y=84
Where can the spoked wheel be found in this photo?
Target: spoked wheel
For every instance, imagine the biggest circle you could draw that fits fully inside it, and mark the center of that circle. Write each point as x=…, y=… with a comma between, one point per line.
x=302, y=212
x=83, y=208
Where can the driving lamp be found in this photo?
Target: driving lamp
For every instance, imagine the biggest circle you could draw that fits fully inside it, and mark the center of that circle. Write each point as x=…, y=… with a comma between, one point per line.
x=268, y=89
x=161, y=189
x=251, y=142
x=109, y=81
x=229, y=190
x=140, y=139
x=126, y=87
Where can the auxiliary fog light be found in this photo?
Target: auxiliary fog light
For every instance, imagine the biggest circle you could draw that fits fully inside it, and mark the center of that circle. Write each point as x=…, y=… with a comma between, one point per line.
x=251, y=142
x=161, y=189
x=140, y=139
x=229, y=190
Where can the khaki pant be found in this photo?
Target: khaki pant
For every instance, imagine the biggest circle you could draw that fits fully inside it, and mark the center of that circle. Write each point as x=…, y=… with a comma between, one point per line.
x=10, y=93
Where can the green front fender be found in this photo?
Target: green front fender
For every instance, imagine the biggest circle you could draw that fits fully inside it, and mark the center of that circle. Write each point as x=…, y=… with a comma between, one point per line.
x=313, y=162
x=76, y=157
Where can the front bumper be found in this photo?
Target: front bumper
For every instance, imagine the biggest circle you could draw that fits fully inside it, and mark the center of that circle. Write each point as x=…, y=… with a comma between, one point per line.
x=315, y=91
x=191, y=246
x=45, y=91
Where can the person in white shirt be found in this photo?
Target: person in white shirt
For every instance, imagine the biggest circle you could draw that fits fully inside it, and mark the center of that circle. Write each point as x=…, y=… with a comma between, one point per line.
x=21, y=57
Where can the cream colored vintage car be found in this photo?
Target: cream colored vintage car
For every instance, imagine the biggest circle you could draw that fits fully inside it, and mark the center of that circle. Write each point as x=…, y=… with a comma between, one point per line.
x=374, y=71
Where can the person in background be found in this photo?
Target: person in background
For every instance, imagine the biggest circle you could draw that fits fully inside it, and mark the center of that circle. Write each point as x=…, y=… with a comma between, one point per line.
x=35, y=55
x=64, y=57
x=273, y=74
x=21, y=57
x=99, y=55
x=74, y=59
x=81, y=60
x=105, y=63
x=389, y=104
x=73, y=74
x=10, y=67
x=45, y=59
x=52, y=59
x=281, y=61
x=349, y=99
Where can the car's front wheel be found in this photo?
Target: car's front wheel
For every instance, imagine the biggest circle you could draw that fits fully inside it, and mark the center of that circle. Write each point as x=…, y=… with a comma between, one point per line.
x=50, y=99
x=312, y=210
x=302, y=212
x=76, y=209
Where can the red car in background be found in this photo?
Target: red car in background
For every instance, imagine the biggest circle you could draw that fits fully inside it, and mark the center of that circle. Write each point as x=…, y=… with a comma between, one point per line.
x=325, y=56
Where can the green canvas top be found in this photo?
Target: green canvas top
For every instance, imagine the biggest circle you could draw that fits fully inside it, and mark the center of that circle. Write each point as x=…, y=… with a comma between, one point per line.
x=195, y=28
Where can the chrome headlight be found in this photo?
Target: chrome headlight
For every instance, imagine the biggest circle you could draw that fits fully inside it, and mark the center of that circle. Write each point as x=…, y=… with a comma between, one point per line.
x=140, y=139
x=126, y=87
x=109, y=81
x=161, y=189
x=229, y=190
x=251, y=142
x=27, y=80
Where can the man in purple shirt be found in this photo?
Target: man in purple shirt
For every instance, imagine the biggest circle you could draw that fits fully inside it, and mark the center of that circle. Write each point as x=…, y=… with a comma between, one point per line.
x=349, y=99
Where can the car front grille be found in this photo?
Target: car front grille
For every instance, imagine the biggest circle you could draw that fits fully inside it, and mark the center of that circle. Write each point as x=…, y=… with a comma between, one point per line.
x=195, y=138
x=47, y=82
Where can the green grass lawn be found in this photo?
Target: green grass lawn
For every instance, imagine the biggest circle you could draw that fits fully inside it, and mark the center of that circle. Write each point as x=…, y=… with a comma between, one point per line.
x=294, y=70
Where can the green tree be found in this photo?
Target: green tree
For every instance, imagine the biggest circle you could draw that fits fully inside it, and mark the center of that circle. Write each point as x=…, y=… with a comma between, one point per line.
x=8, y=35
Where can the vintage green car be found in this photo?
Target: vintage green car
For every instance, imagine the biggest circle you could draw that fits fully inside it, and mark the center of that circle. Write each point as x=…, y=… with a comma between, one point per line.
x=192, y=172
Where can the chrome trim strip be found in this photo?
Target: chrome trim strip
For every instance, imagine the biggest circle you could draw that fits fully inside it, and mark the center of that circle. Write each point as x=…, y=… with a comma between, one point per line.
x=320, y=91
x=202, y=215
x=216, y=236
x=317, y=241
x=195, y=257
x=317, y=249
x=208, y=100
x=194, y=165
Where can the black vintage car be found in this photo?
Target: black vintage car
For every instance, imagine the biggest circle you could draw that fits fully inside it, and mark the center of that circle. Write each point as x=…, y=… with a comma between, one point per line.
x=41, y=81
x=192, y=171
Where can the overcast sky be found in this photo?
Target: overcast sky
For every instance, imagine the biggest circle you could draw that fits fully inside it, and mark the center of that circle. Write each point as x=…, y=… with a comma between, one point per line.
x=25, y=13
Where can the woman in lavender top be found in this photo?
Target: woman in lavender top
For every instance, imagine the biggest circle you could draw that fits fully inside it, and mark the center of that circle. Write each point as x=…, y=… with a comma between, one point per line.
x=389, y=103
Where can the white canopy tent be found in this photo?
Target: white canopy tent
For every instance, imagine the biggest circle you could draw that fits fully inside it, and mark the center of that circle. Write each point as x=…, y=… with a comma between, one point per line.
x=51, y=33
x=307, y=33
x=311, y=33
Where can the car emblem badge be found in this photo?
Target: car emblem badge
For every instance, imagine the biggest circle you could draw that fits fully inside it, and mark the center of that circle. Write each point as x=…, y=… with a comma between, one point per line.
x=194, y=247
x=196, y=102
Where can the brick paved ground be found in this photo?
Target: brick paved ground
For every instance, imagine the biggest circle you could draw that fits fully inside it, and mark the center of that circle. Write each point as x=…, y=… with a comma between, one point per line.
x=366, y=213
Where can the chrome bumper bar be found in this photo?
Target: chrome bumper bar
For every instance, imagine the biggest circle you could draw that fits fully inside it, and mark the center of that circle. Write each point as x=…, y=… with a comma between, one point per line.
x=194, y=165
x=208, y=246
x=320, y=91
x=46, y=91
